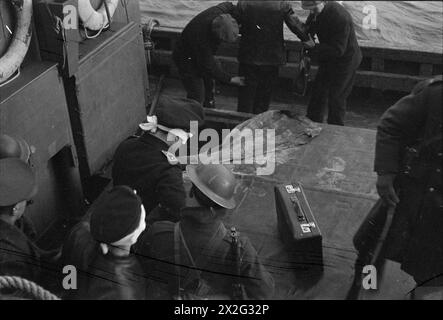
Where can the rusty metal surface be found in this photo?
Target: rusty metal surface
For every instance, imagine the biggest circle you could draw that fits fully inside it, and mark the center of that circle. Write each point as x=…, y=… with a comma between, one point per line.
x=336, y=170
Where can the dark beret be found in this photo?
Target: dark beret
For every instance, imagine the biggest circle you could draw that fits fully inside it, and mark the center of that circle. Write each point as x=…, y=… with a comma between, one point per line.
x=17, y=182
x=115, y=214
x=177, y=113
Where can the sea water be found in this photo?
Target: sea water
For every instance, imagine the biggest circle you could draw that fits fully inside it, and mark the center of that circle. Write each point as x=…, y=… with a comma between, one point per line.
x=410, y=25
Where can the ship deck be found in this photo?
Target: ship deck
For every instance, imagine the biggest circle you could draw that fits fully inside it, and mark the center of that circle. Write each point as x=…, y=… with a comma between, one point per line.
x=336, y=170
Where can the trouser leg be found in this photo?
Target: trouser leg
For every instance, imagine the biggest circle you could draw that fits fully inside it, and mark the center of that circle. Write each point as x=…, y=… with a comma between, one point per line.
x=209, y=100
x=268, y=76
x=319, y=97
x=342, y=81
x=192, y=80
x=247, y=93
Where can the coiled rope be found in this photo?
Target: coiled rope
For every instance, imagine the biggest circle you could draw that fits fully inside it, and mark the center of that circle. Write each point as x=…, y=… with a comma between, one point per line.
x=26, y=286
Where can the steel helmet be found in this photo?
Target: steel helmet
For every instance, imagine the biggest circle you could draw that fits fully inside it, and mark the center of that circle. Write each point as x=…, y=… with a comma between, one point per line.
x=17, y=182
x=14, y=148
x=215, y=181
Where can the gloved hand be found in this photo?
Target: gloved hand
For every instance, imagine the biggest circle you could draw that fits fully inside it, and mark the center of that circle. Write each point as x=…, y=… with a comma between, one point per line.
x=309, y=44
x=385, y=189
x=239, y=81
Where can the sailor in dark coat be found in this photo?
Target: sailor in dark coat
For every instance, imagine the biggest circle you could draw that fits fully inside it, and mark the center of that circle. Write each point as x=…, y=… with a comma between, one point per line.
x=200, y=241
x=262, y=49
x=19, y=256
x=145, y=164
x=195, y=50
x=408, y=161
x=100, y=249
x=15, y=147
x=339, y=58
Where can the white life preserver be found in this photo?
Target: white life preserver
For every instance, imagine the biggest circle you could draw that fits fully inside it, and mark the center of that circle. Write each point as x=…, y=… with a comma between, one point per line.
x=10, y=62
x=95, y=20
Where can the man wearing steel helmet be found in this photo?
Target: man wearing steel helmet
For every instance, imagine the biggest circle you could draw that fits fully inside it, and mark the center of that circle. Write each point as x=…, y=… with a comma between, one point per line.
x=200, y=241
x=18, y=254
x=15, y=147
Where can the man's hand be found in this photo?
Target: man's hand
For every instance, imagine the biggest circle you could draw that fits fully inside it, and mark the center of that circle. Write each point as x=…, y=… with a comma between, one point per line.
x=238, y=81
x=309, y=44
x=386, y=191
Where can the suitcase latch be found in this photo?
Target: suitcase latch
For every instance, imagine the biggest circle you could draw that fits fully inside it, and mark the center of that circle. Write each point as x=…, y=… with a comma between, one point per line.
x=291, y=189
x=306, y=227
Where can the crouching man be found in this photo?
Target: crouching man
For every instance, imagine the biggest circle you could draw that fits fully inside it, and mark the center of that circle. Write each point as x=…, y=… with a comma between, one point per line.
x=146, y=163
x=197, y=258
x=113, y=273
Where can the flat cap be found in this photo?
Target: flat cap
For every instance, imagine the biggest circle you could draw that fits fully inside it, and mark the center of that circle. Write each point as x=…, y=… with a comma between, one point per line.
x=17, y=182
x=177, y=113
x=115, y=214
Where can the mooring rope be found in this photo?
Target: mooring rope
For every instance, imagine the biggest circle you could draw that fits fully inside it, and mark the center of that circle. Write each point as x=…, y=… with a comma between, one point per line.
x=26, y=286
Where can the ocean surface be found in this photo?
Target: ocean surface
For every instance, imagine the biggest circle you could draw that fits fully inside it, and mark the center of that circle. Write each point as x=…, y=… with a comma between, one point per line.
x=410, y=25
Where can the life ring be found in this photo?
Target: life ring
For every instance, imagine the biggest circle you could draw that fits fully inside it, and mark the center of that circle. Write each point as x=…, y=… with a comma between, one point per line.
x=13, y=58
x=96, y=20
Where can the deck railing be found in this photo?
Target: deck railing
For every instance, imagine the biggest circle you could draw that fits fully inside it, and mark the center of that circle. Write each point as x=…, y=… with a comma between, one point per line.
x=381, y=68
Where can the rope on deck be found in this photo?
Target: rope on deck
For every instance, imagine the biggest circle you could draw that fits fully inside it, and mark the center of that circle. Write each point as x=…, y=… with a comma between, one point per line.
x=26, y=286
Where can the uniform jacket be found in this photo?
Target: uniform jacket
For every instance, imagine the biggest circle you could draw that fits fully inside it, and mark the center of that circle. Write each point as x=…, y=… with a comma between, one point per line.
x=262, y=41
x=197, y=44
x=415, y=238
x=334, y=28
x=114, y=278
x=101, y=277
x=141, y=164
x=156, y=251
x=18, y=255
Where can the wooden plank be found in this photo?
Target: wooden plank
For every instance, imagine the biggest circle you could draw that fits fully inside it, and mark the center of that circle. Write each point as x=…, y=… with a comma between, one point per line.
x=426, y=69
x=379, y=52
x=226, y=116
x=365, y=79
x=378, y=64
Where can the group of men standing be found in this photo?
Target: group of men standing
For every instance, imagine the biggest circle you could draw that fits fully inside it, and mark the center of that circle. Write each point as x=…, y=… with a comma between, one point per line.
x=258, y=27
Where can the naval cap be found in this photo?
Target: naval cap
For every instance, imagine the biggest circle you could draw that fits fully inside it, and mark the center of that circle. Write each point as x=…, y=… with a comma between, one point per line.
x=177, y=113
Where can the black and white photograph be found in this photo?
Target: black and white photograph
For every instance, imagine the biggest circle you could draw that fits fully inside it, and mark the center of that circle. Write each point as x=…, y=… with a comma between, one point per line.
x=248, y=152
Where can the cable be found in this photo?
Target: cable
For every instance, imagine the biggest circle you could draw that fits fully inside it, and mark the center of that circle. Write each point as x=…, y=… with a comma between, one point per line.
x=26, y=286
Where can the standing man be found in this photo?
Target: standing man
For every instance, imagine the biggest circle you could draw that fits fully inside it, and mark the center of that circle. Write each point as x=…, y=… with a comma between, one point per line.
x=200, y=243
x=262, y=49
x=145, y=163
x=408, y=161
x=339, y=57
x=196, y=47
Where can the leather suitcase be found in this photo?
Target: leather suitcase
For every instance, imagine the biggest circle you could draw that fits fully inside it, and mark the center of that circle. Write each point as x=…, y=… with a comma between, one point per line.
x=297, y=227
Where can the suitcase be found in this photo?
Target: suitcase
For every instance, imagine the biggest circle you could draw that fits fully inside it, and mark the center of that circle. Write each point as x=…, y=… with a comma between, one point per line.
x=298, y=228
